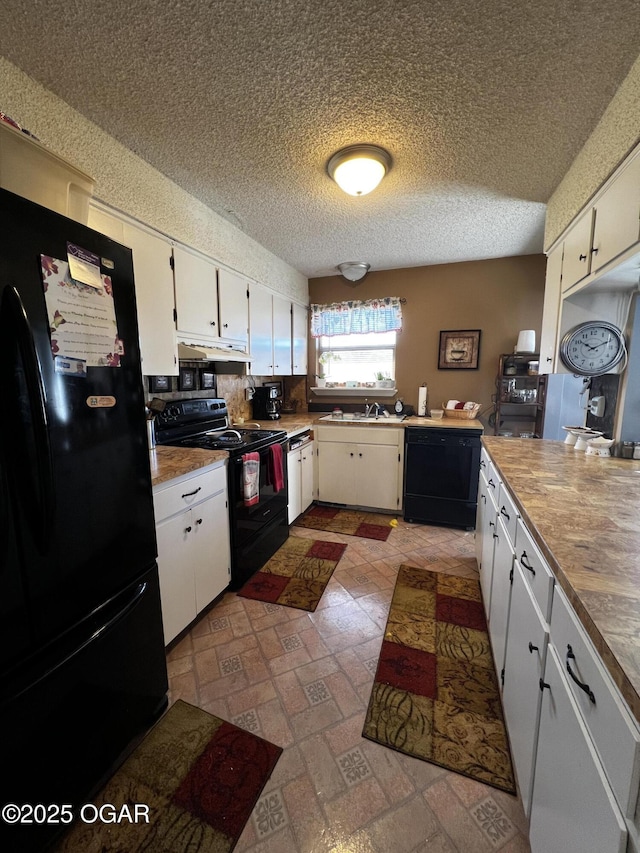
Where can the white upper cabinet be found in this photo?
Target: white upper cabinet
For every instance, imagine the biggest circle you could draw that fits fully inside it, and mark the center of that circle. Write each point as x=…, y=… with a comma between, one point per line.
x=299, y=325
x=577, y=251
x=233, y=306
x=154, y=289
x=196, y=292
x=551, y=310
x=270, y=332
x=617, y=216
x=261, y=330
x=281, y=336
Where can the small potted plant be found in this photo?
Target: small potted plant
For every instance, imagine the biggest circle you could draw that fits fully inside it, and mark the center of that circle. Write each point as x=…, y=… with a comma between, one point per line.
x=325, y=360
x=383, y=380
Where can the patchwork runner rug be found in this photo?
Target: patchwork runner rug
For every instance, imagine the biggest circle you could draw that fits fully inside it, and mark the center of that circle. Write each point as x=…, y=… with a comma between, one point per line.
x=369, y=525
x=200, y=777
x=435, y=694
x=297, y=574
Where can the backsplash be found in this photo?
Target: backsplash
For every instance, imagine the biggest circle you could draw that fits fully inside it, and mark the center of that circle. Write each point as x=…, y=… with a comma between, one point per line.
x=232, y=387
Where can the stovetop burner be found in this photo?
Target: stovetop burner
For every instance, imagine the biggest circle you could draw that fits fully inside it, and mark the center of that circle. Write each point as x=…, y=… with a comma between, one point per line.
x=205, y=423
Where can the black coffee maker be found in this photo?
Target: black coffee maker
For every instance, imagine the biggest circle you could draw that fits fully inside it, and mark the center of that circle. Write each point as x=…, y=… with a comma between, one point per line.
x=267, y=403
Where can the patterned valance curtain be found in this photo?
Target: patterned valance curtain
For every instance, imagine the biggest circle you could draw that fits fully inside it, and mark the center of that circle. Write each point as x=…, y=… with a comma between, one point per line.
x=356, y=318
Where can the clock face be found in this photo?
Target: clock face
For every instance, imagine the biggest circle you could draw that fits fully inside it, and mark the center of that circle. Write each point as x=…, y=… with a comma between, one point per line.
x=592, y=348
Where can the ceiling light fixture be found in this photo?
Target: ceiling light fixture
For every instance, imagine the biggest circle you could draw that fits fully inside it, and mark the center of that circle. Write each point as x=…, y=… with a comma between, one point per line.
x=354, y=270
x=358, y=169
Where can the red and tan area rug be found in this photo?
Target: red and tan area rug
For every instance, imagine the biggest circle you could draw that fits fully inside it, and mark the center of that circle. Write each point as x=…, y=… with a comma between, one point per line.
x=200, y=777
x=435, y=694
x=297, y=574
x=369, y=525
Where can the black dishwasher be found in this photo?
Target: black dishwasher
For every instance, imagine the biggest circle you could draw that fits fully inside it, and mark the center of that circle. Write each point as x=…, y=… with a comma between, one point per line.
x=441, y=469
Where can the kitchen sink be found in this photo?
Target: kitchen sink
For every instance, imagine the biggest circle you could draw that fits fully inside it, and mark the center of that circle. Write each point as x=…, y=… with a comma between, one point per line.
x=359, y=417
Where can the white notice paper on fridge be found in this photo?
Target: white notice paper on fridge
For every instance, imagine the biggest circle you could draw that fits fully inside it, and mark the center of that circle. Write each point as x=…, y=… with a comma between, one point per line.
x=82, y=317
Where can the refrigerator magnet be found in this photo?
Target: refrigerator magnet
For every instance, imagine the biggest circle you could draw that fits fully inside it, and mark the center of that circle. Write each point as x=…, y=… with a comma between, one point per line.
x=70, y=366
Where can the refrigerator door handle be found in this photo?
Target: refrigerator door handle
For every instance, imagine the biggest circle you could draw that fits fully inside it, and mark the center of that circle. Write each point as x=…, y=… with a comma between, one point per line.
x=13, y=304
x=77, y=645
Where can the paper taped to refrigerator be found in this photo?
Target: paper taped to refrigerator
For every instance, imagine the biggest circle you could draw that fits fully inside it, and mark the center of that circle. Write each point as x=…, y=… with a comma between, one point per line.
x=82, y=318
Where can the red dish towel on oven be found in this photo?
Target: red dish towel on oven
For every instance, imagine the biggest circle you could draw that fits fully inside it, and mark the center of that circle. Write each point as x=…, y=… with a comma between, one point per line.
x=275, y=467
x=251, y=478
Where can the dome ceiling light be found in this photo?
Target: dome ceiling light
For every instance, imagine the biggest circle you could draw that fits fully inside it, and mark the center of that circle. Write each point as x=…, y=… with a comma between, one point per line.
x=354, y=270
x=358, y=169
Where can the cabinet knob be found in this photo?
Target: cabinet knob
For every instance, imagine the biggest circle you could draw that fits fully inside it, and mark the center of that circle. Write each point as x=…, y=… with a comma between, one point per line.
x=212, y=323
x=594, y=251
x=187, y=529
x=225, y=325
x=582, y=257
x=532, y=648
x=544, y=684
x=549, y=358
x=359, y=454
x=351, y=454
x=198, y=521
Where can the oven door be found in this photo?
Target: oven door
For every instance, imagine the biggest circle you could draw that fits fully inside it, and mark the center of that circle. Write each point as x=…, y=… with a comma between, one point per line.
x=248, y=522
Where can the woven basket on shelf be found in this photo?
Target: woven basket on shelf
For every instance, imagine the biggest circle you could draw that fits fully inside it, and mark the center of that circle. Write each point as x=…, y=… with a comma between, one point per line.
x=461, y=414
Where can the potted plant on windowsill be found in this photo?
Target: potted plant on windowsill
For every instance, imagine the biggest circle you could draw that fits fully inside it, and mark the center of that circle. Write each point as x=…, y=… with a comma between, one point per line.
x=383, y=380
x=325, y=360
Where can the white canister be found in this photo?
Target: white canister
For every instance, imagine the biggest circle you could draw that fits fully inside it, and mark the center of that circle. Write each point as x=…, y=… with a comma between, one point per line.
x=526, y=341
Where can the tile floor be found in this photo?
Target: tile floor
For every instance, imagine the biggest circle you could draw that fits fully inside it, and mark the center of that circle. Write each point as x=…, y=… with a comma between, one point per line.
x=302, y=680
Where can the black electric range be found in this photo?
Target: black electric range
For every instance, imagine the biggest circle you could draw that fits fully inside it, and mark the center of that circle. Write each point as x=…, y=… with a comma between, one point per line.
x=256, y=531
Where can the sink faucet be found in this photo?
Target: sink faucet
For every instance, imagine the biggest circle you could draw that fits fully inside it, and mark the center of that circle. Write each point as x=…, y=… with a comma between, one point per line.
x=369, y=407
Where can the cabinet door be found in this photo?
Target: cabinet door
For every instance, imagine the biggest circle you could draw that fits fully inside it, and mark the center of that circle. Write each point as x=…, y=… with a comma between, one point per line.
x=336, y=472
x=233, y=306
x=527, y=640
x=551, y=311
x=106, y=223
x=573, y=808
x=210, y=549
x=294, y=480
x=500, y=594
x=261, y=330
x=196, y=294
x=617, y=224
x=377, y=476
x=299, y=340
x=489, y=518
x=577, y=251
x=281, y=336
x=307, y=470
x=177, y=586
x=155, y=301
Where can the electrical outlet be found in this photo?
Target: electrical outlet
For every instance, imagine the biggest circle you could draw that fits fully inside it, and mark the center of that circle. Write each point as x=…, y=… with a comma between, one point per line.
x=248, y=394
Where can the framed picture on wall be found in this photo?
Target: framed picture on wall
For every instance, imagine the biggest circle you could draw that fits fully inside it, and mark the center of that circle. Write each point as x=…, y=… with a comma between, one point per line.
x=207, y=379
x=187, y=379
x=459, y=349
x=158, y=384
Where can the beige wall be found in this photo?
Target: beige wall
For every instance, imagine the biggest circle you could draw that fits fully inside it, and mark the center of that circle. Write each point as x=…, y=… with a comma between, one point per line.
x=499, y=297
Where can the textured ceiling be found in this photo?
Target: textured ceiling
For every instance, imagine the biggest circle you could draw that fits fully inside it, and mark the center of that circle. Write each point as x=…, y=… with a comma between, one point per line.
x=482, y=105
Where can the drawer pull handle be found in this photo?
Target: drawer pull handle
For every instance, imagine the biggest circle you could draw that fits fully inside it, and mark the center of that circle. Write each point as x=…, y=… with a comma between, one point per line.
x=191, y=494
x=581, y=685
x=544, y=684
x=491, y=483
x=532, y=648
x=504, y=512
x=483, y=463
x=524, y=562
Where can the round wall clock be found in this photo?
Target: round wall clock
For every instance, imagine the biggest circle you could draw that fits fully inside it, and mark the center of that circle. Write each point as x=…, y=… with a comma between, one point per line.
x=592, y=348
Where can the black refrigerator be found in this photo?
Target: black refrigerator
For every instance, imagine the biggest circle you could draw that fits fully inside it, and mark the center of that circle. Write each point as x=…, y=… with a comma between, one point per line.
x=82, y=662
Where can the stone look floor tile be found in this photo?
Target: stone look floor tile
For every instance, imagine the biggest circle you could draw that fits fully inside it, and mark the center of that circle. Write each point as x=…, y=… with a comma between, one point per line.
x=303, y=680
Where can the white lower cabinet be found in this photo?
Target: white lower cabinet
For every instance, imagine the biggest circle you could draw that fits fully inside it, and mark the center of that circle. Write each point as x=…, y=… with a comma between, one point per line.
x=192, y=530
x=573, y=808
x=300, y=470
x=485, y=540
x=574, y=742
x=501, y=580
x=365, y=471
x=526, y=652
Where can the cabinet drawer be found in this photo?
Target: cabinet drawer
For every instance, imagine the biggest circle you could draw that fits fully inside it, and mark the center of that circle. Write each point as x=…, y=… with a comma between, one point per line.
x=493, y=481
x=485, y=461
x=508, y=513
x=175, y=497
x=535, y=569
x=615, y=734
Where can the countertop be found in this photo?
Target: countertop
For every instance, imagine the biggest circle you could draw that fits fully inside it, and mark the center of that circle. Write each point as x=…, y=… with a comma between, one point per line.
x=584, y=513
x=167, y=463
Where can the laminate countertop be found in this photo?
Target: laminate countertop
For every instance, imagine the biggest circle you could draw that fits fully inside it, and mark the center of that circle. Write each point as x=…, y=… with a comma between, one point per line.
x=584, y=514
x=167, y=463
x=294, y=424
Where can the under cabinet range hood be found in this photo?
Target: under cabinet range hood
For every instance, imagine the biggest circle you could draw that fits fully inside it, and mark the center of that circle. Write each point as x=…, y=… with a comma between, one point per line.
x=198, y=352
